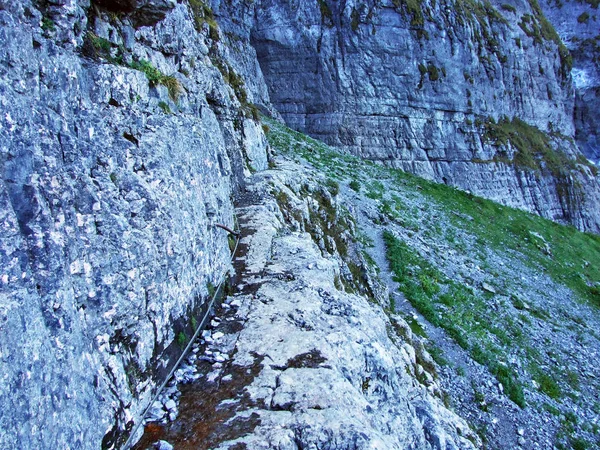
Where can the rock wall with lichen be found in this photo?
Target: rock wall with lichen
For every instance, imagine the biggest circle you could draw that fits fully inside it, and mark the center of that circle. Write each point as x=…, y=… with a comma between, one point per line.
x=124, y=140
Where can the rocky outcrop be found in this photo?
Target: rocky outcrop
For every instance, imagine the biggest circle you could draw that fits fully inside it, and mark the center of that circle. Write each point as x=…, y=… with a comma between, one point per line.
x=121, y=149
x=412, y=85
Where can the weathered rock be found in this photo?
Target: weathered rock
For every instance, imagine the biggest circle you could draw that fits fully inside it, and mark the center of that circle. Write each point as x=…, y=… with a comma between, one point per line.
x=576, y=23
x=313, y=366
x=110, y=189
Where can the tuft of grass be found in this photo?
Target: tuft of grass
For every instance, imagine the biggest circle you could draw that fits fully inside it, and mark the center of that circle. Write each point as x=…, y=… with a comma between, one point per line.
x=165, y=107
x=156, y=77
x=48, y=24
x=437, y=354
x=583, y=17
x=355, y=185
x=413, y=8
x=326, y=13
x=203, y=14
x=533, y=148
x=182, y=339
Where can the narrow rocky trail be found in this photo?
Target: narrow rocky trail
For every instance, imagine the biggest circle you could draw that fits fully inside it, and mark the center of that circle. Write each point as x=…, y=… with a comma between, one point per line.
x=291, y=361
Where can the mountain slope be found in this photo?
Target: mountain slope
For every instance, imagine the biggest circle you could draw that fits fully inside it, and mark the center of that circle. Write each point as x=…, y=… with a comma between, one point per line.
x=345, y=266
x=416, y=85
x=495, y=292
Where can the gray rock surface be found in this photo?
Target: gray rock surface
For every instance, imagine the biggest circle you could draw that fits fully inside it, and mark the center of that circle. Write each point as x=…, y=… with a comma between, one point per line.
x=110, y=190
x=310, y=364
x=577, y=24
x=122, y=145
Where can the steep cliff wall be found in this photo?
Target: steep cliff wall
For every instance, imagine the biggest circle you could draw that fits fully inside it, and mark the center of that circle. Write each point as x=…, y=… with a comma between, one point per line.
x=121, y=148
x=414, y=84
x=577, y=24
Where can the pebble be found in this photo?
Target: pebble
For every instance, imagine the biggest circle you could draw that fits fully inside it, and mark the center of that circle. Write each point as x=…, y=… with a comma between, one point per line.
x=211, y=377
x=170, y=405
x=217, y=335
x=163, y=445
x=488, y=288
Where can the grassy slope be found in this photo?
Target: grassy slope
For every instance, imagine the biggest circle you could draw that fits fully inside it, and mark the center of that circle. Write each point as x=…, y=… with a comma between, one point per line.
x=573, y=258
x=466, y=225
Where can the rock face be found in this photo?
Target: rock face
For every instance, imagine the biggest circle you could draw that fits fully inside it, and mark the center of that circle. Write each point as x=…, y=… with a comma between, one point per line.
x=115, y=170
x=128, y=126
x=577, y=24
x=412, y=85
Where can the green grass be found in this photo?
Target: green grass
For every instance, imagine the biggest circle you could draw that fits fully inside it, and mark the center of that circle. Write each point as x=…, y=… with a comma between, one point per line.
x=540, y=29
x=443, y=219
x=533, y=147
x=413, y=8
x=203, y=14
x=459, y=311
x=156, y=77
x=182, y=339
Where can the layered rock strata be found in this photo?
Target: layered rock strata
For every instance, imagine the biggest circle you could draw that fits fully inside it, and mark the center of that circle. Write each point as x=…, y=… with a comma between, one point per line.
x=413, y=85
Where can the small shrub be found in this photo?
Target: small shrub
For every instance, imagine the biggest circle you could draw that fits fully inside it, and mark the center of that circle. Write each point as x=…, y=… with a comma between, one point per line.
x=548, y=385
x=165, y=107
x=156, y=77
x=509, y=8
x=438, y=355
x=580, y=444
x=433, y=72
x=584, y=17
x=355, y=185
x=48, y=24
x=182, y=339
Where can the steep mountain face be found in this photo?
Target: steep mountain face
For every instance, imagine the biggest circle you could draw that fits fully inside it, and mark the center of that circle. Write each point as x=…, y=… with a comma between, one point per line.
x=416, y=85
x=121, y=149
x=128, y=127
x=577, y=24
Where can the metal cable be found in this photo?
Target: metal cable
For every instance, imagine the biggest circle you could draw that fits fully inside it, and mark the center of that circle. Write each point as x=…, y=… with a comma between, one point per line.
x=201, y=326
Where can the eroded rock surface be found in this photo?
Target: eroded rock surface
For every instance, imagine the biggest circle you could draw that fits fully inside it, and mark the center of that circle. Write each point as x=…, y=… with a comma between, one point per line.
x=111, y=186
x=313, y=365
